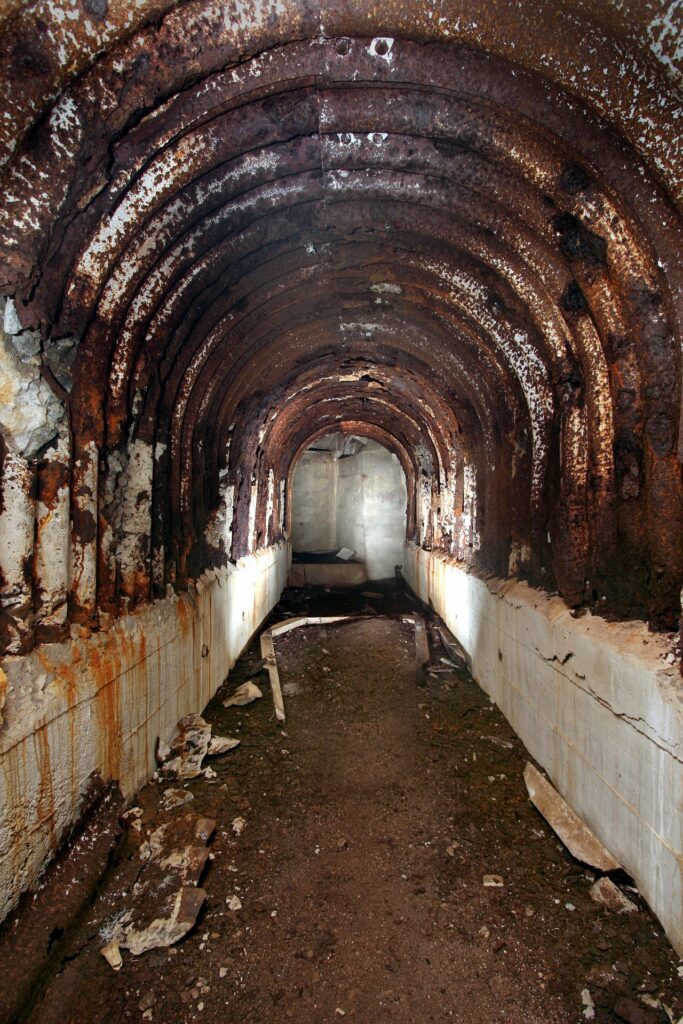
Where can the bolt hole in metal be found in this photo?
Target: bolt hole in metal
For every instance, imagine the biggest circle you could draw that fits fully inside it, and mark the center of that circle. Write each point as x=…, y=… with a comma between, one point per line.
x=381, y=47
x=343, y=47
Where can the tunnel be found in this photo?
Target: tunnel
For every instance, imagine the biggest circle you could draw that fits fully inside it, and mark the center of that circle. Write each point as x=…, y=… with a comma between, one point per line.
x=282, y=278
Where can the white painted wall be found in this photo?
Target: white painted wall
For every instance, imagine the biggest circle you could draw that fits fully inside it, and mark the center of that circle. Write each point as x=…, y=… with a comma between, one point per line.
x=99, y=704
x=371, y=509
x=595, y=704
x=314, y=502
x=358, y=502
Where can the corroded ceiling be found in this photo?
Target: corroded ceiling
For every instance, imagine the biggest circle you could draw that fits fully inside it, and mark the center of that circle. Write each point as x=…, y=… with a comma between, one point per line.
x=453, y=227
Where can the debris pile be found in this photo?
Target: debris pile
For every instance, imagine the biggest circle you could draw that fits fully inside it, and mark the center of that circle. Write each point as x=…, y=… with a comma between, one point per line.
x=193, y=743
x=604, y=891
x=166, y=899
x=243, y=695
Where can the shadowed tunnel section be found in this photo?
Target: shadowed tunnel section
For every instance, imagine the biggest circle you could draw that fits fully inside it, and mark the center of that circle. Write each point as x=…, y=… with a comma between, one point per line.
x=230, y=236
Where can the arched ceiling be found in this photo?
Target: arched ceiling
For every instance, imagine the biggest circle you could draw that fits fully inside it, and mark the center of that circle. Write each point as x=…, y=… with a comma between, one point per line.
x=453, y=223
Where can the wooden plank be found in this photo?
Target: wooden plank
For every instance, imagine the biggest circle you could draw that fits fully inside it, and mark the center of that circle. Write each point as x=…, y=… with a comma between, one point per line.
x=268, y=655
x=268, y=651
x=454, y=648
x=305, y=620
x=422, y=653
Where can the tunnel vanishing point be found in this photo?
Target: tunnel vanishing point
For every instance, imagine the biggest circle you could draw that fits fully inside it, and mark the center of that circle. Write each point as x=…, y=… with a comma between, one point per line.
x=228, y=229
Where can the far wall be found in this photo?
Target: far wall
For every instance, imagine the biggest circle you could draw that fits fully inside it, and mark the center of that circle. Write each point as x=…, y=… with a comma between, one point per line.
x=358, y=502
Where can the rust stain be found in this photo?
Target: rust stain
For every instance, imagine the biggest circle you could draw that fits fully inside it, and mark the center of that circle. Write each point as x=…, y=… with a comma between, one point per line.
x=439, y=245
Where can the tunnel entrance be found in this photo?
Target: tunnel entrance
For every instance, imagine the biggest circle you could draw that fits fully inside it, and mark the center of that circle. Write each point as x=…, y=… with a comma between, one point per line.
x=348, y=512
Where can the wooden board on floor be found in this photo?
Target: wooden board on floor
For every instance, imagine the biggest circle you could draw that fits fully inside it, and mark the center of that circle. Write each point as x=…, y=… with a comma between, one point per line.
x=422, y=653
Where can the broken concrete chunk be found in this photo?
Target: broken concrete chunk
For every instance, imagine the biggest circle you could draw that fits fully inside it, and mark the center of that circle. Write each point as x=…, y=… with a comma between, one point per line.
x=175, y=798
x=238, y=825
x=566, y=823
x=204, y=829
x=162, y=752
x=152, y=848
x=189, y=748
x=493, y=881
x=587, y=1002
x=234, y=903
x=221, y=745
x=179, y=916
x=165, y=902
x=132, y=819
x=187, y=863
x=244, y=694
x=112, y=954
x=610, y=895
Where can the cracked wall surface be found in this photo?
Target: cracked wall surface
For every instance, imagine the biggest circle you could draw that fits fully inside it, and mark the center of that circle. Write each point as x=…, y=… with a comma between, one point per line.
x=597, y=704
x=227, y=230
x=234, y=229
x=93, y=708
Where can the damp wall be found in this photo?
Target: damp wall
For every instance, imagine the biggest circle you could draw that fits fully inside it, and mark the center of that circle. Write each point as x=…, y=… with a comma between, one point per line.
x=594, y=702
x=97, y=704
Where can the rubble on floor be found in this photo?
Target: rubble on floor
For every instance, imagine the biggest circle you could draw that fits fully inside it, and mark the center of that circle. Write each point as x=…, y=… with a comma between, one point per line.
x=610, y=895
x=243, y=695
x=165, y=900
x=574, y=833
x=364, y=838
x=185, y=756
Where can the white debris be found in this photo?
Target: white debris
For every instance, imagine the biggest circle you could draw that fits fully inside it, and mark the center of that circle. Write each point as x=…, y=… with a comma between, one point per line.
x=589, y=1012
x=244, y=694
x=163, y=752
x=175, y=798
x=493, y=881
x=112, y=954
x=610, y=895
x=189, y=748
x=221, y=745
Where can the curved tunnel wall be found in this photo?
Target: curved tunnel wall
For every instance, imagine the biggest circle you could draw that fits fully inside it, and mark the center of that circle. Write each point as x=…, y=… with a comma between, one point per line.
x=416, y=234
x=227, y=230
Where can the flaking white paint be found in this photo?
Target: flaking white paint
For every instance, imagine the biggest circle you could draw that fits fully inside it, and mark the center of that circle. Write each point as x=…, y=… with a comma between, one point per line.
x=595, y=703
x=97, y=705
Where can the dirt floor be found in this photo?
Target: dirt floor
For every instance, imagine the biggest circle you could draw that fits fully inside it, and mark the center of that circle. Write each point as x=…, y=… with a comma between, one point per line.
x=369, y=824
